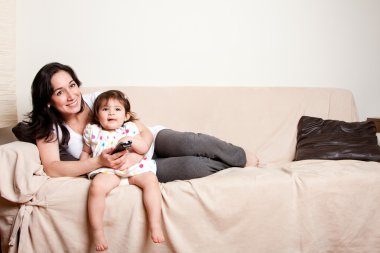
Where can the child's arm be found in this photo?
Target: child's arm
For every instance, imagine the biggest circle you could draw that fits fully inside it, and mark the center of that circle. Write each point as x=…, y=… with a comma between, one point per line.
x=145, y=138
x=141, y=142
x=138, y=144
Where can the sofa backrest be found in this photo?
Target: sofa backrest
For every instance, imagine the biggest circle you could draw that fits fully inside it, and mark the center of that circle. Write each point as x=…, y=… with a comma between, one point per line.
x=261, y=119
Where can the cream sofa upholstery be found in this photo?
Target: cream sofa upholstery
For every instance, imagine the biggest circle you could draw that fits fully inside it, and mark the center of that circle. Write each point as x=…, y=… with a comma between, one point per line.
x=281, y=207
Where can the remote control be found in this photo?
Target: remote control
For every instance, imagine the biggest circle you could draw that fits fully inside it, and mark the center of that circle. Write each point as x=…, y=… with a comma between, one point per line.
x=122, y=146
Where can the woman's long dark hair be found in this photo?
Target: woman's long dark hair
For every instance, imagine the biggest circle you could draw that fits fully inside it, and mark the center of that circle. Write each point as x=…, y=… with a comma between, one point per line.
x=42, y=119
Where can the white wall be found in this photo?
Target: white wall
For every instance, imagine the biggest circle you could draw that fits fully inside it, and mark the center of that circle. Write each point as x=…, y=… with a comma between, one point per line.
x=333, y=43
x=8, y=115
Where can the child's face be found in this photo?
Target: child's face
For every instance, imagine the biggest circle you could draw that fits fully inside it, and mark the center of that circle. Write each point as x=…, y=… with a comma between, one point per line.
x=111, y=115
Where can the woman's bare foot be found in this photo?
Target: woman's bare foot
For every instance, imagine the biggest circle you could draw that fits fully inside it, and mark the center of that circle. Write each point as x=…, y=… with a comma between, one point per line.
x=252, y=160
x=157, y=234
x=100, y=241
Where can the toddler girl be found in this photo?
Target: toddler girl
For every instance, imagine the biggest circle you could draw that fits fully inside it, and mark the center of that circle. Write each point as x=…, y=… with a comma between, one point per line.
x=113, y=123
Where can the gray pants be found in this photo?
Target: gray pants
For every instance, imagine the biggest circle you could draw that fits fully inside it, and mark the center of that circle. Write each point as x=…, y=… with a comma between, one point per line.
x=186, y=155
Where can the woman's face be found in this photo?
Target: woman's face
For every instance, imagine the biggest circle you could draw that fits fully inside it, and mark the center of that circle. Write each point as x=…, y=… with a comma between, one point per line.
x=66, y=96
x=111, y=114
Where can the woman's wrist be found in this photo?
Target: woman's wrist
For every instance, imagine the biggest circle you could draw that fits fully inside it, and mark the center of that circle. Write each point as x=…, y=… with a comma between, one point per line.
x=95, y=162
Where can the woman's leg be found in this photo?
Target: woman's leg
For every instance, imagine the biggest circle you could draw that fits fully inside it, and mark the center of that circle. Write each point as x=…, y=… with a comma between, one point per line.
x=170, y=143
x=186, y=167
x=100, y=186
x=186, y=155
x=152, y=201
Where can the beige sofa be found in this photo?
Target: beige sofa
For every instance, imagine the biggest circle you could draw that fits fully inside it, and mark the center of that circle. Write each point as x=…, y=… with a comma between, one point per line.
x=282, y=207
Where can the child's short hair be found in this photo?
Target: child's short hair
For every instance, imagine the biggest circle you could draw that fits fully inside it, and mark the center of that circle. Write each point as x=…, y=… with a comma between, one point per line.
x=111, y=94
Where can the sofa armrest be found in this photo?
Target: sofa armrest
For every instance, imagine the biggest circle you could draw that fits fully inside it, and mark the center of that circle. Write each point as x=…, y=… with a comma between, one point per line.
x=21, y=171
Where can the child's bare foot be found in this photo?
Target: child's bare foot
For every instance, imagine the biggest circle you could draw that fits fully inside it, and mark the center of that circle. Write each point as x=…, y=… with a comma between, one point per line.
x=100, y=241
x=157, y=234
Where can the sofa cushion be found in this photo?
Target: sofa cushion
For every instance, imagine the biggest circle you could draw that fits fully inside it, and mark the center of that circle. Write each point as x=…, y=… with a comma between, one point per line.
x=336, y=140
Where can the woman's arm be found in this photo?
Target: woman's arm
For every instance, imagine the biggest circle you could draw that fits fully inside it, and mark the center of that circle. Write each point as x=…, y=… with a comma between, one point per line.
x=54, y=167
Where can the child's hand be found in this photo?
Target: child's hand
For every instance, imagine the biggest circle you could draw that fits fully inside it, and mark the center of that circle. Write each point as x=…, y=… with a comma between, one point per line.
x=128, y=160
x=139, y=145
x=126, y=139
x=121, y=146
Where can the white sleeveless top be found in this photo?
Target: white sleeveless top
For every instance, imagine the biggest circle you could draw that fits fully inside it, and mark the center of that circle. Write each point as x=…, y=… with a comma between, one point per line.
x=75, y=144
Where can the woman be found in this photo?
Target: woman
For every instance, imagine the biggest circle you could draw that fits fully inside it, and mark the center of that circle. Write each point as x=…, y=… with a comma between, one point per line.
x=60, y=114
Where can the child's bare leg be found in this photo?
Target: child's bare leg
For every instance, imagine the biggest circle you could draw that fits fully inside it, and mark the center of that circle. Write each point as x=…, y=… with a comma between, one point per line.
x=100, y=186
x=152, y=200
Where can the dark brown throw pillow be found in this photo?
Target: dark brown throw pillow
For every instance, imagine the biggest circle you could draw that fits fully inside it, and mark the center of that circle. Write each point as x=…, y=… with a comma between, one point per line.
x=336, y=140
x=22, y=133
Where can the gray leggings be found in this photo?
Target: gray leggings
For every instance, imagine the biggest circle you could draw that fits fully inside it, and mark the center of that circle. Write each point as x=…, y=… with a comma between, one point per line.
x=186, y=155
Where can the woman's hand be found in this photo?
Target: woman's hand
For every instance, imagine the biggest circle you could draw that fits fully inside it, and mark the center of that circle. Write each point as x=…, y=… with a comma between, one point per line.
x=127, y=160
x=119, y=161
x=113, y=161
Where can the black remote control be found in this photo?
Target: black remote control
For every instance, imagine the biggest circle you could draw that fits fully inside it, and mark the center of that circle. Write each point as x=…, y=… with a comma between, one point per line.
x=122, y=146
